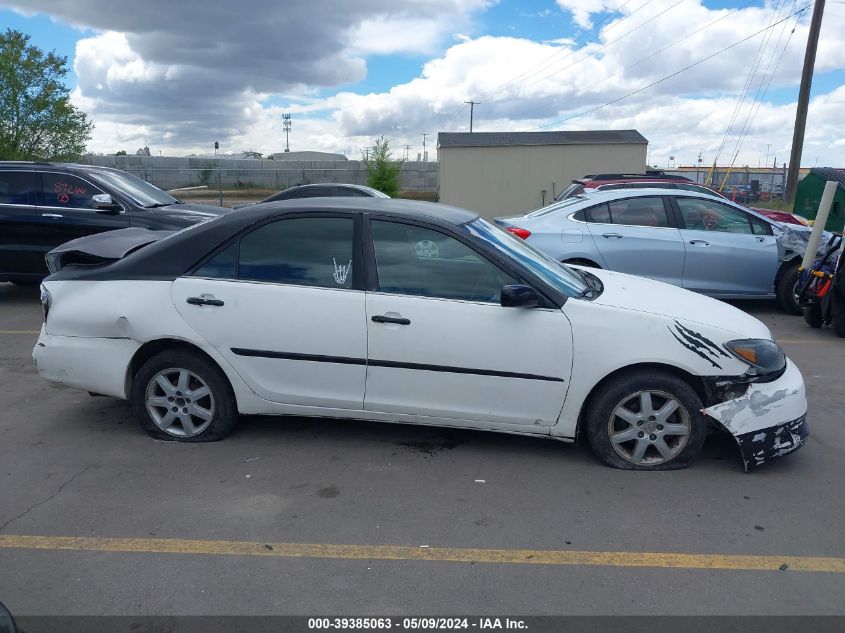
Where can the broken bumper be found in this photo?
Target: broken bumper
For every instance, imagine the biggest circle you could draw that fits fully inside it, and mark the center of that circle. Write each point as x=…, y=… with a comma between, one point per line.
x=768, y=420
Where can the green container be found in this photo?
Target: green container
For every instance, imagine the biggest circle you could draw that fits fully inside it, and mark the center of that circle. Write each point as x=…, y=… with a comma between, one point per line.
x=809, y=195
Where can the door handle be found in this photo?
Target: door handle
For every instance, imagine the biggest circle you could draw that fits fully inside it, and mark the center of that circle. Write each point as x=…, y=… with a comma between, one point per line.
x=202, y=301
x=699, y=243
x=611, y=235
x=52, y=215
x=379, y=318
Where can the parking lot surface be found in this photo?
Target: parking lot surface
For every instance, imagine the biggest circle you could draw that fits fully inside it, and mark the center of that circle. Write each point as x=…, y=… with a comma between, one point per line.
x=315, y=516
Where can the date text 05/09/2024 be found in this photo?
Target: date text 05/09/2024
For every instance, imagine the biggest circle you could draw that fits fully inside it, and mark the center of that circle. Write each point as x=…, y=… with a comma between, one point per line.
x=416, y=623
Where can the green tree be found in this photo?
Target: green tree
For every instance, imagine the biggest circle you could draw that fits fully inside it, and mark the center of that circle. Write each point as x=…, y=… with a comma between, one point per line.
x=37, y=119
x=382, y=171
x=121, y=152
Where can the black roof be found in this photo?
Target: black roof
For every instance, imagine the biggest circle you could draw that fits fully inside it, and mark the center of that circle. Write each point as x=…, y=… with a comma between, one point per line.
x=572, y=137
x=46, y=163
x=830, y=173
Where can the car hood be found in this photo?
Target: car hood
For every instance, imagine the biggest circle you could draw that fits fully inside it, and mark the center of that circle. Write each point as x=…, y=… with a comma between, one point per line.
x=628, y=292
x=185, y=214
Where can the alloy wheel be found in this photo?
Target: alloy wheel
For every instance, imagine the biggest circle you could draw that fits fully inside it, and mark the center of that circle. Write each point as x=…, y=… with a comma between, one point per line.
x=649, y=428
x=179, y=402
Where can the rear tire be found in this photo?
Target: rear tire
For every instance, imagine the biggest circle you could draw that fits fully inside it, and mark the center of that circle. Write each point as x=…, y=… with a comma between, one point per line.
x=813, y=315
x=648, y=420
x=786, y=289
x=181, y=396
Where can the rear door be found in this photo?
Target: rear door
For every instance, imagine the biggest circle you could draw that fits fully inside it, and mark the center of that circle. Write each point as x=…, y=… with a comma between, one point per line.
x=19, y=249
x=728, y=251
x=284, y=305
x=65, y=210
x=638, y=235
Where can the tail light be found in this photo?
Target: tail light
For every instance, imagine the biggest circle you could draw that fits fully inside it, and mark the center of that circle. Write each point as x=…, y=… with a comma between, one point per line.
x=520, y=233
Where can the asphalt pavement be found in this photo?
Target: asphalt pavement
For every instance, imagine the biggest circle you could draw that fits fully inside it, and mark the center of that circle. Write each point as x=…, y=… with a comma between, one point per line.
x=316, y=516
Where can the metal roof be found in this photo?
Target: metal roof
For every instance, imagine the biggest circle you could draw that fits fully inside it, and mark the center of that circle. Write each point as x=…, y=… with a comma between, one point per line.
x=830, y=173
x=573, y=137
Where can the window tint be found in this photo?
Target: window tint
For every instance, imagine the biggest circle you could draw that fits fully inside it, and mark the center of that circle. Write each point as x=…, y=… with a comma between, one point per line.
x=705, y=215
x=221, y=266
x=639, y=212
x=599, y=214
x=312, y=192
x=302, y=251
x=65, y=190
x=348, y=192
x=417, y=261
x=17, y=187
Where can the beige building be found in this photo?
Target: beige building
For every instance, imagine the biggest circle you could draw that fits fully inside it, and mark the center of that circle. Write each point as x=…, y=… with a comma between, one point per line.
x=500, y=173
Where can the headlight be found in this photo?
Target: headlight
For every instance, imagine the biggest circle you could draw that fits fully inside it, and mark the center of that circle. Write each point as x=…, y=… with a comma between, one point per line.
x=765, y=356
x=46, y=300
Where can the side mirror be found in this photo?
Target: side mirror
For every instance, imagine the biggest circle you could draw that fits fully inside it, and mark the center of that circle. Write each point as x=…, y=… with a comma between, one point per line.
x=103, y=202
x=517, y=296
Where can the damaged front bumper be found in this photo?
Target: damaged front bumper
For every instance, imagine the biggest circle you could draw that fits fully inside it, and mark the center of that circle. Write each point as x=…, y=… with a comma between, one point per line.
x=768, y=420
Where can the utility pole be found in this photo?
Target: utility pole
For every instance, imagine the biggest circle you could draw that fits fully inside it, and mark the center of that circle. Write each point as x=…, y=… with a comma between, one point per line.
x=698, y=167
x=286, y=125
x=472, y=105
x=425, y=156
x=407, y=152
x=803, y=103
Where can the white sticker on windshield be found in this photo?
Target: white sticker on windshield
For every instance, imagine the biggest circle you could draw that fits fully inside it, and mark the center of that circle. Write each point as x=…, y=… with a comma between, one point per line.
x=426, y=248
x=341, y=272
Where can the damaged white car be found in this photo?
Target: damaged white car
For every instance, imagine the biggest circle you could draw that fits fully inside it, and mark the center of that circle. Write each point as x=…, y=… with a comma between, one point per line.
x=408, y=312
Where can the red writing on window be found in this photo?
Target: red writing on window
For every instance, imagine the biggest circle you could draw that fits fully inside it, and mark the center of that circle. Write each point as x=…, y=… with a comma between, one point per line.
x=73, y=190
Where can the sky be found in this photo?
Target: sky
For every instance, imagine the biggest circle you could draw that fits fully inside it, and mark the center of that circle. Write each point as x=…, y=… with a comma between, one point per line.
x=717, y=78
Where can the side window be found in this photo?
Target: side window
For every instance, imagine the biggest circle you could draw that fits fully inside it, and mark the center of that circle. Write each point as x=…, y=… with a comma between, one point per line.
x=645, y=211
x=759, y=227
x=66, y=190
x=313, y=192
x=301, y=251
x=346, y=192
x=221, y=266
x=417, y=261
x=17, y=187
x=706, y=215
x=599, y=214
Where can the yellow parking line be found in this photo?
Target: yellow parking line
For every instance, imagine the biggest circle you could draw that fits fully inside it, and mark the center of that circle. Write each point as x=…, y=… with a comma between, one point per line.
x=666, y=560
x=20, y=331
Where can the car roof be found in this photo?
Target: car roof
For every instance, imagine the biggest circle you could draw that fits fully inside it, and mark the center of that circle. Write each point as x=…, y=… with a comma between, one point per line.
x=409, y=209
x=18, y=164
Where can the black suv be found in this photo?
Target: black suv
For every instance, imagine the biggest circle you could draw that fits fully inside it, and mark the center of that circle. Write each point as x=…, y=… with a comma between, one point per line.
x=43, y=205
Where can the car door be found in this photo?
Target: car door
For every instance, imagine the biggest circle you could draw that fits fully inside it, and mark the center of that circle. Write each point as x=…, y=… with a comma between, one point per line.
x=19, y=250
x=284, y=306
x=728, y=251
x=637, y=235
x=65, y=210
x=440, y=345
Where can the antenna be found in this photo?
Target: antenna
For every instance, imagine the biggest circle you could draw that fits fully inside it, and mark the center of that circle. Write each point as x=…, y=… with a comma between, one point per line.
x=286, y=124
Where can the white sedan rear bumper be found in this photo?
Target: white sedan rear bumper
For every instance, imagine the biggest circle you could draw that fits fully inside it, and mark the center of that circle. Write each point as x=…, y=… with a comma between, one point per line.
x=95, y=364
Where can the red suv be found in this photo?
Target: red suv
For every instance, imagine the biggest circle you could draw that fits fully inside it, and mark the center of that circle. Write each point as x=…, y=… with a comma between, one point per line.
x=660, y=180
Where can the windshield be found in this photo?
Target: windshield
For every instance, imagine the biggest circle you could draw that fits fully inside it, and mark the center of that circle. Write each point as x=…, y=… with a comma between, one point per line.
x=139, y=191
x=557, y=275
x=568, y=202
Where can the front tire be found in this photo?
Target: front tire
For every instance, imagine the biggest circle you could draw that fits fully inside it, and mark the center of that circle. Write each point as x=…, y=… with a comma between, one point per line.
x=648, y=420
x=181, y=396
x=813, y=315
x=787, y=289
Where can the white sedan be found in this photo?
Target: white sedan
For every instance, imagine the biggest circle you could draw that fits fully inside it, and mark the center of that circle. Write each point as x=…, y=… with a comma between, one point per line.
x=408, y=312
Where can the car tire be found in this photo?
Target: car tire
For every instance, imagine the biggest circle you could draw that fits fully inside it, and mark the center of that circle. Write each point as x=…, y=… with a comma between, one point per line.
x=667, y=439
x=839, y=325
x=179, y=395
x=786, y=288
x=813, y=315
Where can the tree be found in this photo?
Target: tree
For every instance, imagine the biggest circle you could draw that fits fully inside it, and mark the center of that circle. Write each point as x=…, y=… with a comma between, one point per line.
x=37, y=119
x=121, y=152
x=382, y=171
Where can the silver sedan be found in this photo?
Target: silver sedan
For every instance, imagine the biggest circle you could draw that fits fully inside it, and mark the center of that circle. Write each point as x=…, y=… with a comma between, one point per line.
x=699, y=242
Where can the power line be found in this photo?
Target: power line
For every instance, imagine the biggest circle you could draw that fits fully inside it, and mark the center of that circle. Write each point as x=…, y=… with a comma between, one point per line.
x=667, y=77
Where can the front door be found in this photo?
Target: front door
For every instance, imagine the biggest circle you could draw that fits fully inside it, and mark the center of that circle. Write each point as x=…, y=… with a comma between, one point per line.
x=284, y=306
x=441, y=345
x=65, y=210
x=728, y=252
x=636, y=235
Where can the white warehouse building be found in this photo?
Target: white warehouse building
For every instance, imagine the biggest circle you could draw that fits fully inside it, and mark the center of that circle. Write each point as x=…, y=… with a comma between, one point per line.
x=502, y=173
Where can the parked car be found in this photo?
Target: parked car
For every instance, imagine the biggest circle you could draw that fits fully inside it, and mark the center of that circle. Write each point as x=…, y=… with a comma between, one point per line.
x=660, y=180
x=697, y=241
x=44, y=204
x=321, y=190
x=417, y=313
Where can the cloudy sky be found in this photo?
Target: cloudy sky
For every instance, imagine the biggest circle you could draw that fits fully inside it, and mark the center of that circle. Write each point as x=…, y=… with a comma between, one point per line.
x=718, y=77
